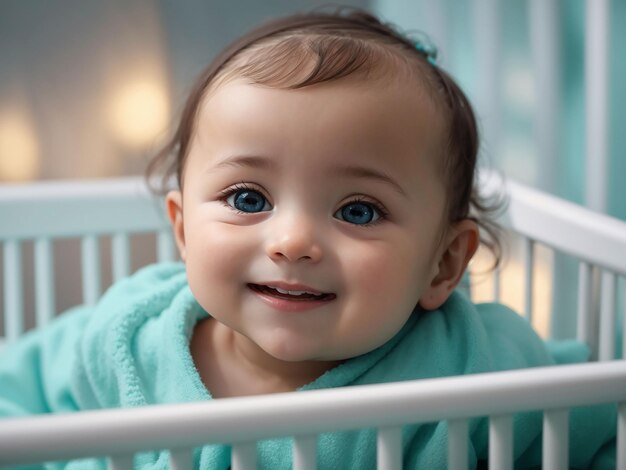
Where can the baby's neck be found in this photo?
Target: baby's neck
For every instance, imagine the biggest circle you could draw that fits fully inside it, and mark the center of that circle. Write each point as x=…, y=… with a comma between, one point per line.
x=229, y=364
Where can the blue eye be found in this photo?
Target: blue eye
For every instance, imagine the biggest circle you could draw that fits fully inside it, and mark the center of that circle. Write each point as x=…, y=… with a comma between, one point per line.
x=358, y=213
x=248, y=200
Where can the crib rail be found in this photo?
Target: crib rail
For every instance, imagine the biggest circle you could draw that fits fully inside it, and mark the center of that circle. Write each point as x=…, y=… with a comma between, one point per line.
x=59, y=209
x=242, y=421
x=592, y=237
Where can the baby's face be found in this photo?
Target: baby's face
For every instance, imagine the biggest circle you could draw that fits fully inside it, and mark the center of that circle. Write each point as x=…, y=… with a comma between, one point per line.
x=330, y=190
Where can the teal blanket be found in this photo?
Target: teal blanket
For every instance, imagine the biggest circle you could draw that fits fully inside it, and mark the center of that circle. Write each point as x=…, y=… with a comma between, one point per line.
x=132, y=349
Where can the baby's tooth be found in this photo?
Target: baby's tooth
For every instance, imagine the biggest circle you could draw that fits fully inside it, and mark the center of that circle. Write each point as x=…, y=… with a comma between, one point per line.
x=290, y=292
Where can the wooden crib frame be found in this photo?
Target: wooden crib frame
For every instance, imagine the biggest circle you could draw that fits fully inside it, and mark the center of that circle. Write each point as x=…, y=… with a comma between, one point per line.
x=42, y=212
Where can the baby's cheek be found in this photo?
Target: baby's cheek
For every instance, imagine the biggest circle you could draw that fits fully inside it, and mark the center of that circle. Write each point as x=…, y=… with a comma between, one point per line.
x=380, y=297
x=215, y=258
x=213, y=240
x=380, y=270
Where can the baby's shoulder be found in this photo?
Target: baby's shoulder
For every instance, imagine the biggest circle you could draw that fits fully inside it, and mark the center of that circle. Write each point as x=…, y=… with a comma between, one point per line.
x=500, y=318
x=511, y=338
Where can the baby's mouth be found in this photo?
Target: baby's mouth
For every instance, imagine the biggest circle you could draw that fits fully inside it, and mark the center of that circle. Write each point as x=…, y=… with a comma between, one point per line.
x=291, y=295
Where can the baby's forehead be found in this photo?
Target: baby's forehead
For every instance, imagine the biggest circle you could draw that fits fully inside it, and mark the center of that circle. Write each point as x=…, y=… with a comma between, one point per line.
x=399, y=101
x=390, y=127
x=411, y=88
x=350, y=109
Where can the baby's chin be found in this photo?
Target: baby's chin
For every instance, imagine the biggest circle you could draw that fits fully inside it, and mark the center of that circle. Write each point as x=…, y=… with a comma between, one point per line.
x=285, y=352
x=300, y=353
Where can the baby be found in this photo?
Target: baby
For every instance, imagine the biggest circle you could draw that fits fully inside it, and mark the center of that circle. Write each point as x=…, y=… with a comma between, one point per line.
x=325, y=212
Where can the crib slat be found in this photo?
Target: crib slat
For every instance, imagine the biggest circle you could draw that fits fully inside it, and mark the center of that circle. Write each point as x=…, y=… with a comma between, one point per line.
x=389, y=448
x=120, y=247
x=165, y=247
x=607, y=316
x=90, y=269
x=623, y=289
x=529, y=267
x=621, y=436
x=305, y=453
x=501, y=442
x=597, y=31
x=497, y=277
x=555, y=439
x=584, y=323
x=181, y=459
x=44, y=281
x=13, y=298
x=121, y=462
x=243, y=456
x=457, y=444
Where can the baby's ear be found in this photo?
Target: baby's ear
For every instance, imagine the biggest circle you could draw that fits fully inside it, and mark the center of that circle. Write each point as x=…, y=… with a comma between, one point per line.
x=461, y=244
x=174, y=207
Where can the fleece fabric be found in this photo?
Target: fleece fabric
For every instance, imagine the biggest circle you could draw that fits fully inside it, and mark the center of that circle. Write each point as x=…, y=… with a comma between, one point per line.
x=132, y=349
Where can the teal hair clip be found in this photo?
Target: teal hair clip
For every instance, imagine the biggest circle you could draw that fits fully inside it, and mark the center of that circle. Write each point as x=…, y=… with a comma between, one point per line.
x=429, y=52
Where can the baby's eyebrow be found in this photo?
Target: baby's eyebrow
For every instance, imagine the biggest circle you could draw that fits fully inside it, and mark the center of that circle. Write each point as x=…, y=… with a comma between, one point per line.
x=369, y=173
x=250, y=161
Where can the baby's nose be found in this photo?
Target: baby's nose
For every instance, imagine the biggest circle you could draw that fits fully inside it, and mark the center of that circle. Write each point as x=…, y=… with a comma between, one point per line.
x=294, y=239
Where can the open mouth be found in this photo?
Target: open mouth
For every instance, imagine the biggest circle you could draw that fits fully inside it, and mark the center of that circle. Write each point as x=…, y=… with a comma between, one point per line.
x=290, y=295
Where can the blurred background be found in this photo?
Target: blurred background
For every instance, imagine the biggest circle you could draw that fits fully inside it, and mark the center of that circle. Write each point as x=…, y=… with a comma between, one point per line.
x=91, y=89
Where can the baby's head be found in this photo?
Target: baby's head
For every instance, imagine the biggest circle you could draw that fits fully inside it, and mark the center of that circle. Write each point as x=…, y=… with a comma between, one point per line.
x=326, y=171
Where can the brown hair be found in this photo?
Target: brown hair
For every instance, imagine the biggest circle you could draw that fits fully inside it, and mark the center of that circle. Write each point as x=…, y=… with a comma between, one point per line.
x=329, y=46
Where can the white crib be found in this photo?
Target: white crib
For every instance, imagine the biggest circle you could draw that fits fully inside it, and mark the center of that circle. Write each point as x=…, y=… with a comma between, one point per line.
x=89, y=210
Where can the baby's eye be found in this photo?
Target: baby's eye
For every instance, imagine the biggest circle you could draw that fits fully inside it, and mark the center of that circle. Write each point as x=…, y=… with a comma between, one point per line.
x=358, y=213
x=248, y=200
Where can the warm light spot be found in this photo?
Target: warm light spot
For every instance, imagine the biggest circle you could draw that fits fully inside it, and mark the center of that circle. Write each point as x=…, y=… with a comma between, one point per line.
x=512, y=284
x=19, y=152
x=138, y=113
